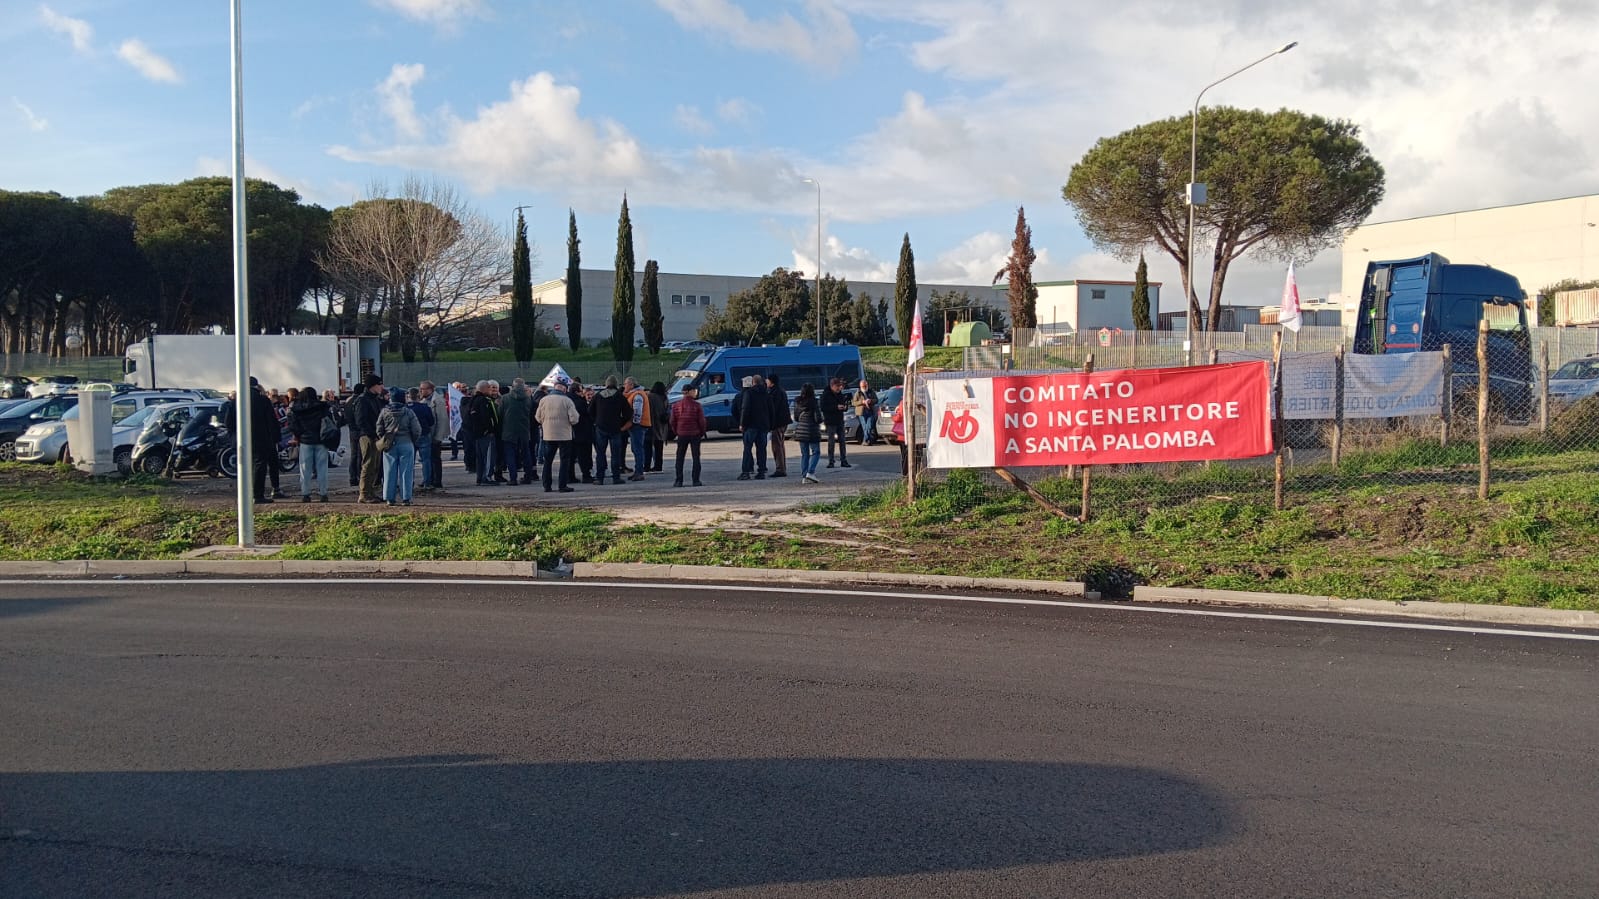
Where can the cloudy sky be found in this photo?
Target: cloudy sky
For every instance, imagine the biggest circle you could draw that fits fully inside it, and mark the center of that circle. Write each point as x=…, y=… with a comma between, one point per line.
x=933, y=117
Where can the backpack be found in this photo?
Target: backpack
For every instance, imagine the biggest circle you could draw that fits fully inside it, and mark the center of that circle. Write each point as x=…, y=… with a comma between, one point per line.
x=330, y=432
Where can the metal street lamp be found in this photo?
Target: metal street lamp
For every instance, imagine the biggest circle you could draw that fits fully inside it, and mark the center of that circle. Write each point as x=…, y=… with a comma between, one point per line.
x=1196, y=192
x=818, y=298
x=244, y=477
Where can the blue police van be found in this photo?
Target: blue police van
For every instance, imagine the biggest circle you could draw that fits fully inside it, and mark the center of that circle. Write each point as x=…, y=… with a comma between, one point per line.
x=719, y=372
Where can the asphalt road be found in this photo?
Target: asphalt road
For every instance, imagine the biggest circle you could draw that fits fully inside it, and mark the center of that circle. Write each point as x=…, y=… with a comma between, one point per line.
x=416, y=739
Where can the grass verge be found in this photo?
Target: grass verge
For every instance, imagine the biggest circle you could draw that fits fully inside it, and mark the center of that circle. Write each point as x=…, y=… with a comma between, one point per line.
x=1371, y=530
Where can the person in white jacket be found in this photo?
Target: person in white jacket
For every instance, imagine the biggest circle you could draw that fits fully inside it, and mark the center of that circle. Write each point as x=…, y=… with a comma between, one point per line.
x=557, y=416
x=433, y=466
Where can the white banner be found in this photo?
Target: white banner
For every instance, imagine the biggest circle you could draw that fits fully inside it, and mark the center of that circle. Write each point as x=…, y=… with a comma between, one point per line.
x=1394, y=385
x=960, y=419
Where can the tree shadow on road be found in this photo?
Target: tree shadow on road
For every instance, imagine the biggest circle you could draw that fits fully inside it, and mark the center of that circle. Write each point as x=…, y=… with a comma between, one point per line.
x=462, y=824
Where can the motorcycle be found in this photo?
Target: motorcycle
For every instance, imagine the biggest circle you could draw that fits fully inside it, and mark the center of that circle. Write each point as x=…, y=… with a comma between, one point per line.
x=153, y=447
x=204, y=446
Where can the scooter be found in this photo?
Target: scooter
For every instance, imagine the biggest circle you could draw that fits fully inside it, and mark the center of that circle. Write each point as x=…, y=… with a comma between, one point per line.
x=153, y=447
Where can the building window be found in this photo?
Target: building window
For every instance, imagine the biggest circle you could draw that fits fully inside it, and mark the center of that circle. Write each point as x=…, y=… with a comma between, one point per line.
x=690, y=300
x=1097, y=293
x=677, y=299
x=705, y=301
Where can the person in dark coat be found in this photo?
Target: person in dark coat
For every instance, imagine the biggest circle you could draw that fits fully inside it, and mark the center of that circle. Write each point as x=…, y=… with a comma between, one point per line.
x=482, y=419
x=364, y=427
x=808, y=432
x=583, y=432
x=660, y=424
x=613, y=416
x=306, y=417
x=265, y=434
x=780, y=420
x=834, y=401
x=752, y=408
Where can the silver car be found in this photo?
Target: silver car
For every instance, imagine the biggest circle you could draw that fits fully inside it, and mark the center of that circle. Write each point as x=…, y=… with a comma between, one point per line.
x=46, y=441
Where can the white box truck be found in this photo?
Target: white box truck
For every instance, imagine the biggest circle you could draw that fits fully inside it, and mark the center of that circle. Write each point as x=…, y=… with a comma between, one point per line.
x=278, y=361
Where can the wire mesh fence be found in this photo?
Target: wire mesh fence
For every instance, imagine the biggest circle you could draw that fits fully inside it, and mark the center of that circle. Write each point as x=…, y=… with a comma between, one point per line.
x=1351, y=428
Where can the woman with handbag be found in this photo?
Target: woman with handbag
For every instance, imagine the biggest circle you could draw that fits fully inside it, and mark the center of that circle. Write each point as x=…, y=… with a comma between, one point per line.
x=398, y=433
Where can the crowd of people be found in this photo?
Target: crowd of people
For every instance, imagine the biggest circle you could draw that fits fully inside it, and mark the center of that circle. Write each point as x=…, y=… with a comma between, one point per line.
x=558, y=433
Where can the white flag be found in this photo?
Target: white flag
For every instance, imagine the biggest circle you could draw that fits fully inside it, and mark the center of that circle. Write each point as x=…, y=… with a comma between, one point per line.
x=1288, y=311
x=915, y=350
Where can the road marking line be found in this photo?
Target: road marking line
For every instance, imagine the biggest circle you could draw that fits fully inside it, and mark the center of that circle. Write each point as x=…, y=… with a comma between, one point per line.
x=850, y=594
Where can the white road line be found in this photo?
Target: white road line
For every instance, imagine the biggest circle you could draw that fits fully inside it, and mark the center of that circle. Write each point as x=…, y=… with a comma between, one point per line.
x=848, y=594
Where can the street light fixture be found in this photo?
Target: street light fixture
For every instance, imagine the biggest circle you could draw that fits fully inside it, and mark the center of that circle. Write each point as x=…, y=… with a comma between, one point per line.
x=1196, y=192
x=818, y=298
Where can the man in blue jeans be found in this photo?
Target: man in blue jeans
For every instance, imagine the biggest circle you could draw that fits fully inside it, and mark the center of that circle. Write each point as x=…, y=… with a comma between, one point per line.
x=612, y=419
x=752, y=409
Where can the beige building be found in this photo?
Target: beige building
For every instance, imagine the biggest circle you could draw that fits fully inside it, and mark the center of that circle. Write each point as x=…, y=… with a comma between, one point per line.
x=1083, y=305
x=685, y=298
x=1540, y=243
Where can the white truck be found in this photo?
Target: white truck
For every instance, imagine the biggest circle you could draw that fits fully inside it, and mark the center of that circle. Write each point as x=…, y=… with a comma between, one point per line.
x=278, y=361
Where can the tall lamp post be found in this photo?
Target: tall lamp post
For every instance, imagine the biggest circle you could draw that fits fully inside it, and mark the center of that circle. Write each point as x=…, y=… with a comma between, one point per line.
x=244, y=477
x=1196, y=192
x=818, y=299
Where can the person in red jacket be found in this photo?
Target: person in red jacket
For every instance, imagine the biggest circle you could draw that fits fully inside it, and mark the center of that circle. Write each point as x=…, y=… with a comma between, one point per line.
x=688, y=423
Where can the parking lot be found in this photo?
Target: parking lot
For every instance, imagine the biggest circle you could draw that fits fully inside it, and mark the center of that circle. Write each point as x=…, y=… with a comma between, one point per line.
x=871, y=467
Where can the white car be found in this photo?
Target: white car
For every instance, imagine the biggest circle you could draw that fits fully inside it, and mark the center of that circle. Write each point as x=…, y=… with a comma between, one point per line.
x=53, y=385
x=1576, y=380
x=47, y=441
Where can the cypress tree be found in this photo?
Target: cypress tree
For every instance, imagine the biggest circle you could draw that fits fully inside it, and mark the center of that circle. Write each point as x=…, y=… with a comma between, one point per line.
x=650, y=308
x=623, y=295
x=1141, y=320
x=1021, y=295
x=524, y=323
x=574, y=286
x=905, y=291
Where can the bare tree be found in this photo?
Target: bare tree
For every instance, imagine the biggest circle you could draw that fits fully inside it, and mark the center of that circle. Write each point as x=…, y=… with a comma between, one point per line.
x=424, y=261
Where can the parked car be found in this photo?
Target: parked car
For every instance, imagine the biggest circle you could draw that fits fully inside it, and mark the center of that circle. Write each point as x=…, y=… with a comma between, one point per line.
x=887, y=402
x=17, y=419
x=46, y=441
x=14, y=387
x=53, y=385
x=1576, y=380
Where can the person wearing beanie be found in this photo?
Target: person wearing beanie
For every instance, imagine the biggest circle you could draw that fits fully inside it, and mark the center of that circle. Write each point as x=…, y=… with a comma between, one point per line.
x=366, y=407
x=398, y=432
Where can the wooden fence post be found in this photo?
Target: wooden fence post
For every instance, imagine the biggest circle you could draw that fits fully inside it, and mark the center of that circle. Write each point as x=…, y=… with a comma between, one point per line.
x=1543, y=388
x=1482, y=409
x=1447, y=413
x=1277, y=417
x=1082, y=516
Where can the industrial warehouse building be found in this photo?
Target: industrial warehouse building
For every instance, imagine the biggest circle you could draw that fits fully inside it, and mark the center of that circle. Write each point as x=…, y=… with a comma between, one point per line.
x=1540, y=243
x=685, y=299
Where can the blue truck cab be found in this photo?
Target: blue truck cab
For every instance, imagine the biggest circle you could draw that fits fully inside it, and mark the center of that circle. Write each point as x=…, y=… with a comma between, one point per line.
x=1421, y=304
x=719, y=372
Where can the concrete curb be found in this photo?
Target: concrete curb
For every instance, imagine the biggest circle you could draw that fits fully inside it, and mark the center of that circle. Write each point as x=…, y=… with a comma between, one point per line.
x=625, y=570
x=273, y=568
x=1467, y=613
x=1442, y=611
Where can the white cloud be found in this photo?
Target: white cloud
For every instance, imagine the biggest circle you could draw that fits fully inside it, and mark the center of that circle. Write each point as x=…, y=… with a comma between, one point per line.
x=35, y=123
x=394, y=94
x=147, y=62
x=535, y=137
x=824, y=40
x=736, y=110
x=689, y=119
x=445, y=13
x=81, y=33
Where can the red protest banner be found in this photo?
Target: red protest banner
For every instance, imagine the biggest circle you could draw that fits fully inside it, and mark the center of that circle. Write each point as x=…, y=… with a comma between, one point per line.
x=1132, y=415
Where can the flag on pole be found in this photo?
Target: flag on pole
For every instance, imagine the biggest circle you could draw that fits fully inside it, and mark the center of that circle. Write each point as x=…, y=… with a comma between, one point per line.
x=915, y=350
x=1288, y=312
